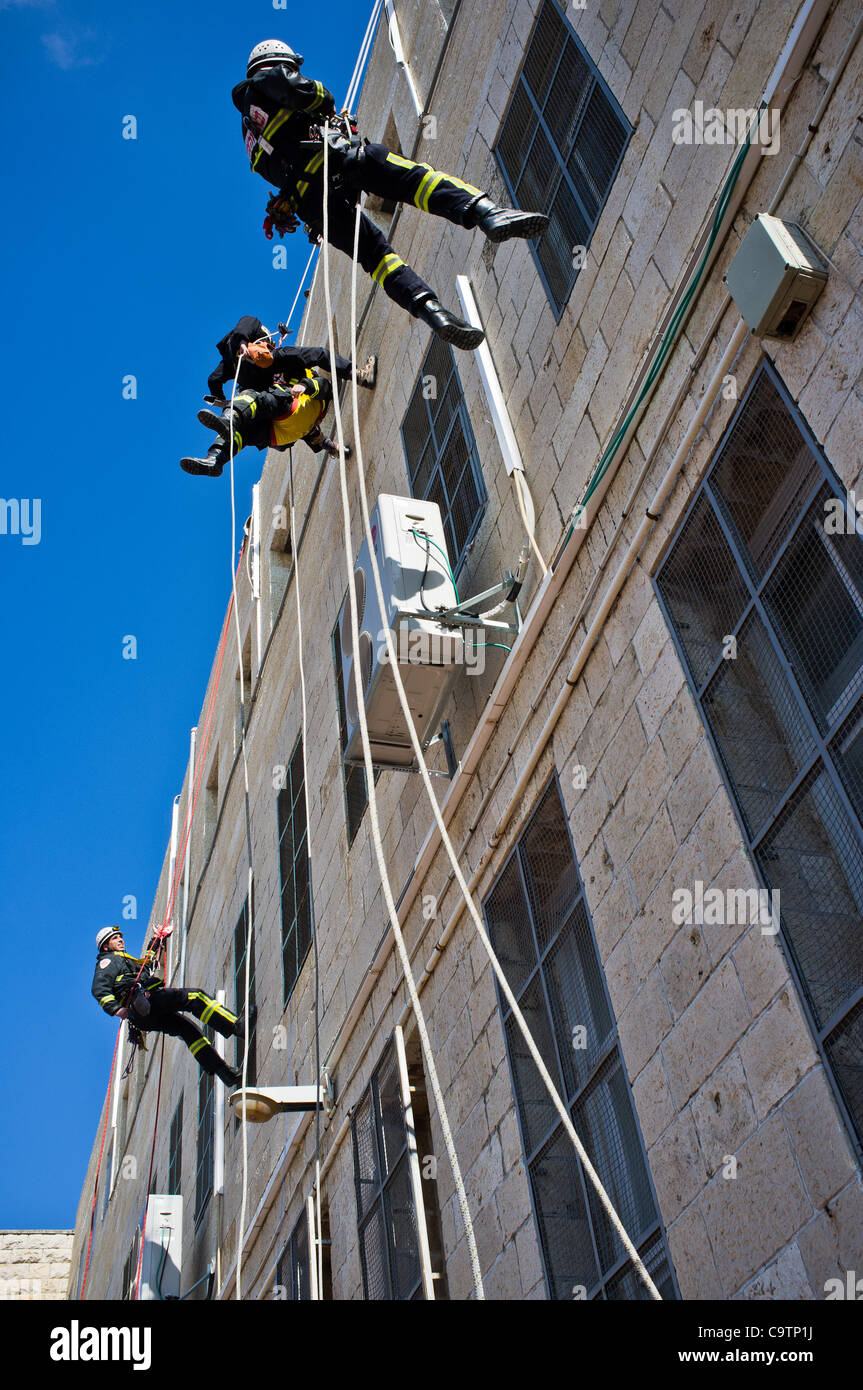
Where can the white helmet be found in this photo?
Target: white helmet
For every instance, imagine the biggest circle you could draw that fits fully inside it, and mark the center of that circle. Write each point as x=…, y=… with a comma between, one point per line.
x=105, y=935
x=269, y=53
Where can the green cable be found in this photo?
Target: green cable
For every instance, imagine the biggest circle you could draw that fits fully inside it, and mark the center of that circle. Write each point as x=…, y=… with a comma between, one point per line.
x=671, y=330
x=429, y=541
x=494, y=644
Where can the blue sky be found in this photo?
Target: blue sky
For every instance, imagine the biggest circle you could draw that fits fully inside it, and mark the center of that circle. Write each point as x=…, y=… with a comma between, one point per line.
x=120, y=257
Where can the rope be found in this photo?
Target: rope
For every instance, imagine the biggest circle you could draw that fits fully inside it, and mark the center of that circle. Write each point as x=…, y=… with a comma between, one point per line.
x=251, y=876
x=370, y=780
x=318, y=1222
x=445, y=839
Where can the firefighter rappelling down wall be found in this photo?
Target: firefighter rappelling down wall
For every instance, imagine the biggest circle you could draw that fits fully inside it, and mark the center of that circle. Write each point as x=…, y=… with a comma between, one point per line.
x=283, y=115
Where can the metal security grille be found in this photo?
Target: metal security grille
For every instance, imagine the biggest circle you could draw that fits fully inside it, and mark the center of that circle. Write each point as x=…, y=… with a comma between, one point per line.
x=204, y=1161
x=763, y=590
x=442, y=460
x=175, y=1152
x=296, y=904
x=356, y=790
x=389, y=1234
x=240, y=936
x=560, y=147
x=293, y=1271
x=539, y=923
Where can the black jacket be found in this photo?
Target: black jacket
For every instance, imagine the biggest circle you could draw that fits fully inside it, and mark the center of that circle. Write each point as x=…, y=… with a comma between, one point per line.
x=278, y=106
x=114, y=976
x=288, y=362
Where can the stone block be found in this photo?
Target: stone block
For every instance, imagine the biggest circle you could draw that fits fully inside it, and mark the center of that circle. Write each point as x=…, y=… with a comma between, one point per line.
x=644, y=1025
x=692, y=1256
x=750, y=1217
x=677, y=1166
x=819, y=1138
x=723, y=1112
x=653, y=1100
x=685, y=965
x=776, y=1052
x=704, y=1035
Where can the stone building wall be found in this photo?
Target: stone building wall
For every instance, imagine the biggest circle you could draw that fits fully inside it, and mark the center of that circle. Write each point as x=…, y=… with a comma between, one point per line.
x=718, y=1053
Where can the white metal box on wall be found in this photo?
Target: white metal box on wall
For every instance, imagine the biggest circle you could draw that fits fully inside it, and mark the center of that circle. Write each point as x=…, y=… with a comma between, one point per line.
x=776, y=277
x=162, y=1265
x=411, y=552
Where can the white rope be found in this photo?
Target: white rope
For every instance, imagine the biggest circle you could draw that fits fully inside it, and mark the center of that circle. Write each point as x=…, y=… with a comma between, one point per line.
x=367, y=756
x=445, y=839
x=250, y=884
x=317, y=1077
x=366, y=44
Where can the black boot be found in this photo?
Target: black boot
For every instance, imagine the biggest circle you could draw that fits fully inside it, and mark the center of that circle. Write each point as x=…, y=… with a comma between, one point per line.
x=231, y=1076
x=211, y=466
x=240, y=1025
x=219, y=423
x=499, y=224
x=447, y=326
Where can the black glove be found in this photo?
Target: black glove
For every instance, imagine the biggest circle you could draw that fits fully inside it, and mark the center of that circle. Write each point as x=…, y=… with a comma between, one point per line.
x=215, y=400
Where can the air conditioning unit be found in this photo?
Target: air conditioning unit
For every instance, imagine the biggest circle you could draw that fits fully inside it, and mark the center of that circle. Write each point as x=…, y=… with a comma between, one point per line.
x=163, y=1248
x=776, y=277
x=411, y=552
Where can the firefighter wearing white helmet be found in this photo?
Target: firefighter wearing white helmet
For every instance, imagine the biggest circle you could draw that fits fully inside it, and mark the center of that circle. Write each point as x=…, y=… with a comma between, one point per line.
x=132, y=988
x=283, y=113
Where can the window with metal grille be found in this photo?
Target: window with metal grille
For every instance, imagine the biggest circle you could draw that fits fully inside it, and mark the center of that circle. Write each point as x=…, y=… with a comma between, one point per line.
x=356, y=788
x=175, y=1152
x=763, y=592
x=393, y=1239
x=442, y=460
x=294, y=1271
x=204, y=1161
x=296, y=902
x=560, y=147
x=241, y=931
x=541, y=929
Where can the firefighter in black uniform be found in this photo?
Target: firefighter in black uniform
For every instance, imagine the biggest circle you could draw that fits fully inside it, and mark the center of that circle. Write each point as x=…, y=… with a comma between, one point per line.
x=262, y=361
x=282, y=127
x=153, y=1008
x=272, y=381
x=272, y=419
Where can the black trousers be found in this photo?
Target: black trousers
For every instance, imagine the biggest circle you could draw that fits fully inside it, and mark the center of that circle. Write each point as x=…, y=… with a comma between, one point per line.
x=255, y=411
x=388, y=176
x=168, y=1009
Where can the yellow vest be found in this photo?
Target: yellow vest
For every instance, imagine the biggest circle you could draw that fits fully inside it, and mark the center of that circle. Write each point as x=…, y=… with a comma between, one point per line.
x=304, y=416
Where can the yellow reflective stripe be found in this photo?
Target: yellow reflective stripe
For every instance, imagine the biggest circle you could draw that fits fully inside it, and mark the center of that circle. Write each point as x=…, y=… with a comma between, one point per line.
x=388, y=264
x=424, y=184
x=275, y=124
x=431, y=189
x=207, y=1014
x=320, y=88
x=195, y=1047
x=106, y=998
x=314, y=163
x=405, y=163
x=460, y=183
x=302, y=188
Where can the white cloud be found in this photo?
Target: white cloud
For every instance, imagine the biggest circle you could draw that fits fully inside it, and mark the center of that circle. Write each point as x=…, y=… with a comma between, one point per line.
x=70, y=50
